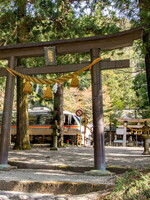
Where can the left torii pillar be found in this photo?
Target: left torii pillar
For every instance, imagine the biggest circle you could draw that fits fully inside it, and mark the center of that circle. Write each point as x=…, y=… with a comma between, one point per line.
x=7, y=115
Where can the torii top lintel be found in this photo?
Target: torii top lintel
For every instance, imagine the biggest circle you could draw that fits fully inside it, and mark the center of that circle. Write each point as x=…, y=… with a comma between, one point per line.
x=77, y=45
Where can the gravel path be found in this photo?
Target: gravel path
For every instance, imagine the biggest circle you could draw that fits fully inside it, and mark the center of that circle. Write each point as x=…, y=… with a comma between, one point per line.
x=80, y=157
x=67, y=165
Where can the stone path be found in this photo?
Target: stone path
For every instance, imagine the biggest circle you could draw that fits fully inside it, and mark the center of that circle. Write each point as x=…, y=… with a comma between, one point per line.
x=6, y=195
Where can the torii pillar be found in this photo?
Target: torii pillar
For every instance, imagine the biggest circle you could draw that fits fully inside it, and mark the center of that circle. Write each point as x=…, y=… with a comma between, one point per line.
x=98, y=122
x=7, y=114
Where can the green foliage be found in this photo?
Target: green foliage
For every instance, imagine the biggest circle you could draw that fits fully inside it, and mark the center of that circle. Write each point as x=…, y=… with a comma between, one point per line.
x=140, y=88
x=85, y=80
x=133, y=185
x=46, y=20
x=119, y=84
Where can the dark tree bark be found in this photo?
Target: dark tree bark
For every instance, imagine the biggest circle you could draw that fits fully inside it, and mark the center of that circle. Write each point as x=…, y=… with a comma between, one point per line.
x=147, y=60
x=22, y=136
x=58, y=110
x=144, y=6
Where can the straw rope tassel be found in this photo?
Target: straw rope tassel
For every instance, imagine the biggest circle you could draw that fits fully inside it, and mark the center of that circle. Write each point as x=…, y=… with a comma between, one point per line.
x=48, y=93
x=74, y=81
x=27, y=87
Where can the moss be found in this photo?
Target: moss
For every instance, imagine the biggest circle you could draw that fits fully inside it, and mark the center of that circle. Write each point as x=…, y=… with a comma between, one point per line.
x=22, y=147
x=26, y=147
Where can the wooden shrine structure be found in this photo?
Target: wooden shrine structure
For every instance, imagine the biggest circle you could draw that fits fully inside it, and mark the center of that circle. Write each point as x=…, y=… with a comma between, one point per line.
x=92, y=45
x=135, y=127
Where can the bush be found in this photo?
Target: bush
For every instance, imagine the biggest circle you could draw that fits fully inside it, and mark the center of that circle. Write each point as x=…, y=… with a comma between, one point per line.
x=132, y=185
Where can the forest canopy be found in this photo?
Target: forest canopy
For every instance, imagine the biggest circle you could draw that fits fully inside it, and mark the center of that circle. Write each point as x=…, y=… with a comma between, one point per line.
x=26, y=21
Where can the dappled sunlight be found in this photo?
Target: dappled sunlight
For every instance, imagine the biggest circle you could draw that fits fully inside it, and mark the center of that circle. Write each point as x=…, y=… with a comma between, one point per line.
x=42, y=175
x=69, y=164
x=55, y=172
x=77, y=157
x=126, y=155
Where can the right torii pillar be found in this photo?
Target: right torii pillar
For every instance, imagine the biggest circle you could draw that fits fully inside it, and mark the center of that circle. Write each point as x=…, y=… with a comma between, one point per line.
x=98, y=121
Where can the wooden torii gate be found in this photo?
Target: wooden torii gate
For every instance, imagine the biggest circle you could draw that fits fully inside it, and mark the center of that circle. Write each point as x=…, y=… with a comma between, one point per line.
x=92, y=45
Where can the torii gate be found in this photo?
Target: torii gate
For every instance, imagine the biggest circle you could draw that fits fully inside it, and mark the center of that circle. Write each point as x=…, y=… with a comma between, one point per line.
x=92, y=45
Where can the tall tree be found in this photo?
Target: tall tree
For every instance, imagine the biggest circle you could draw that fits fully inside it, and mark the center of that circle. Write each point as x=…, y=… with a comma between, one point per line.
x=22, y=136
x=138, y=12
x=58, y=110
x=144, y=6
x=17, y=13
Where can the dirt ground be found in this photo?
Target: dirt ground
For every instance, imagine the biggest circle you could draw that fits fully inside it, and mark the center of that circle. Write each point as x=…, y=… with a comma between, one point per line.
x=43, y=170
x=79, y=157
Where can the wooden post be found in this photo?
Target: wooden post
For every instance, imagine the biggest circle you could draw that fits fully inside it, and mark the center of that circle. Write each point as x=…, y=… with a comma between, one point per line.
x=125, y=134
x=7, y=114
x=98, y=123
x=84, y=120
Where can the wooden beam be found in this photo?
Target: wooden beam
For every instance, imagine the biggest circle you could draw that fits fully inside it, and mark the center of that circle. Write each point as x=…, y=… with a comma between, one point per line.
x=77, y=45
x=105, y=65
x=132, y=120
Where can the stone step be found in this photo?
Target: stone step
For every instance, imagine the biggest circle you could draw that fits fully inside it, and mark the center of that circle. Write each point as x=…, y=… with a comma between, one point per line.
x=50, y=187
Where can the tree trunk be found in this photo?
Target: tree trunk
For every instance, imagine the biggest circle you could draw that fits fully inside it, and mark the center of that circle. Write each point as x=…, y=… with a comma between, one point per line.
x=22, y=135
x=147, y=61
x=58, y=110
x=145, y=18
